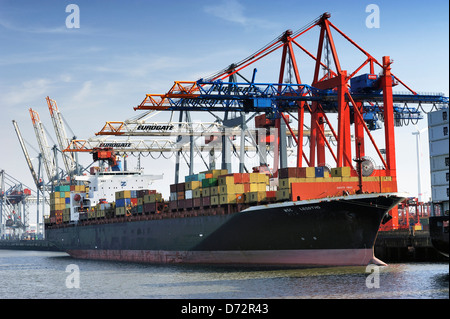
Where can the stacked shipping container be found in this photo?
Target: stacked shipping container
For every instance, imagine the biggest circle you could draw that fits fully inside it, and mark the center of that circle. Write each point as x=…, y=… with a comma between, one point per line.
x=137, y=202
x=217, y=187
x=60, y=202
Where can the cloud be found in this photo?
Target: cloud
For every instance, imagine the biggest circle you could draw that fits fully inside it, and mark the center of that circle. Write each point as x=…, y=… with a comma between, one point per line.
x=233, y=11
x=229, y=10
x=35, y=29
x=27, y=91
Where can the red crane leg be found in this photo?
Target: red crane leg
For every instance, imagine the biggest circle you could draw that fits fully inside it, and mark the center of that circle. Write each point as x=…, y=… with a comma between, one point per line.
x=320, y=141
x=359, y=131
x=342, y=107
x=301, y=113
x=313, y=135
x=388, y=105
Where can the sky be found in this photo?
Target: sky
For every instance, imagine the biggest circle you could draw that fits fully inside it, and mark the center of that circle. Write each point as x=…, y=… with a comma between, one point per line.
x=123, y=50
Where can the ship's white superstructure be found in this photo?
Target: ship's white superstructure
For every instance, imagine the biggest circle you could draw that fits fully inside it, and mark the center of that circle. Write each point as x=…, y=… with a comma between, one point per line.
x=104, y=185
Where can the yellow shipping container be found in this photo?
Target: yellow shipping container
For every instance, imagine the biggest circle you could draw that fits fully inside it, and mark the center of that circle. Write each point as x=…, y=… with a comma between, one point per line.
x=258, y=187
x=254, y=197
x=215, y=200
x=371, y=178
x=120, y=211
x=206, y=191
x=216, y=172
x=226, y=180
x=285, y=183
x=152, y=198
x=283, y=194
x=227, y=199
x=310, y=172
x=193, y=185
x=226, y=189
x=123, y=194
x=340, y=171
x=254, y=177
x=197, y=193
x=214, y=190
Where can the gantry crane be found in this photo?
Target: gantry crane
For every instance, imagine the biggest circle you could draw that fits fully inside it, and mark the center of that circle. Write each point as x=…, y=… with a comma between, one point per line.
x=14, y=207
x=69, y=160
x=349, y=95
x=47, y=158
x=36, y=176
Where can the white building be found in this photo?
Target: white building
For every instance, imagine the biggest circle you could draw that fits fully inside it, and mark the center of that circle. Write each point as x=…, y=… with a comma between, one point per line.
x=438, y=133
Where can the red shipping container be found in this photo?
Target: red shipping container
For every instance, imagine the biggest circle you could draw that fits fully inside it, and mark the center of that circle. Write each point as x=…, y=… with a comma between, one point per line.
x=173, y=205
x=206, y=201
x=288, y=172
x=173, y=188
x=148, y=208
x=133, y=201
x=188, y=203
x=197, y=202
x=271, y=194
x=241, y=178
x=181, y=187
x=181, y=203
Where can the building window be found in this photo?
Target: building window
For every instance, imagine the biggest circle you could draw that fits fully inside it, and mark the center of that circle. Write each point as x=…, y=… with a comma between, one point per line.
x=446, y=176
x=445, y=130
x=446, y=161
x=444, y=116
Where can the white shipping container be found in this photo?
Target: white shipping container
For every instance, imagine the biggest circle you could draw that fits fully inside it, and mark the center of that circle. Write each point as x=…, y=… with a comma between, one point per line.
x=439, y=163
x=439, y=178
x=188, y=194
x=440, y=193
x=173, y=196
x=438, y=117
x=438, y=132
x=439, y=147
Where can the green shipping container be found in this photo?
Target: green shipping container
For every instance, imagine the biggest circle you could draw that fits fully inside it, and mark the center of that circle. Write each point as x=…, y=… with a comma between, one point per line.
x=209, y=182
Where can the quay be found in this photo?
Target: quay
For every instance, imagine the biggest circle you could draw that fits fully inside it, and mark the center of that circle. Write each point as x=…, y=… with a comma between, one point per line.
x=39, y=244
x=406, y=245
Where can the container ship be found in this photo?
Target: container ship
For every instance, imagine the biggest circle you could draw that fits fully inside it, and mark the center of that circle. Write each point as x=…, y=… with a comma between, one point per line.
x=306, y=216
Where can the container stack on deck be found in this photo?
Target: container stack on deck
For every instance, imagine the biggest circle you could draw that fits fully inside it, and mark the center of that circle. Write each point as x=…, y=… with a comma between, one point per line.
x=60, y=203
x=137, y=202
x=217, y=191
x=217, y=187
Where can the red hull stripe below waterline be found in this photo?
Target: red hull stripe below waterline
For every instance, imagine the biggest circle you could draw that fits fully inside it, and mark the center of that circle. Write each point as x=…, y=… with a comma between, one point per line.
x=337, y=257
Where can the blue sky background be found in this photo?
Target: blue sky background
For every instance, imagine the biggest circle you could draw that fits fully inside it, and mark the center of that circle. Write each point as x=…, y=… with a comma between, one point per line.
x=125, y=49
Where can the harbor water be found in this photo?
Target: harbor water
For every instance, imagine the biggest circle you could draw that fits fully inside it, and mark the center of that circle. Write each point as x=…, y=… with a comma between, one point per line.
x=43, y=275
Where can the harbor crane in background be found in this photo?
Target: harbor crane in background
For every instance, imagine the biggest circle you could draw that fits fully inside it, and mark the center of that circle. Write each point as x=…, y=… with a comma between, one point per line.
x=45, y=150
x=69, y=159
x=14, y=205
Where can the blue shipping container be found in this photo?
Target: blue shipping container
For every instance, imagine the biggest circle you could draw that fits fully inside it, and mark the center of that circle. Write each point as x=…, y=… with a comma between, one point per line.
x=319, y=171
x=120, y=202
x=67, y=200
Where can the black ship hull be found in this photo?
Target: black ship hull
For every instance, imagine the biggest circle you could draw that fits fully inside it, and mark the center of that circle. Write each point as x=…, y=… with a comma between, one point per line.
x=337, y=231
